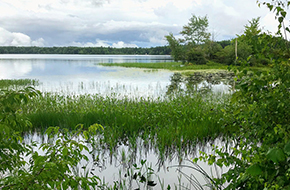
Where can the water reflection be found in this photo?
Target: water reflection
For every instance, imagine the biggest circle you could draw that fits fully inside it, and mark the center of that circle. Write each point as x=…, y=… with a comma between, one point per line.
x=201, y=82
x=115, y=166
x=81, y=74
x=74, y=74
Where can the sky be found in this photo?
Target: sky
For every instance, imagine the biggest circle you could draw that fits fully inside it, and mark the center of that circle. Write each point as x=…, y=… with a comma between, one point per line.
x=120, y=23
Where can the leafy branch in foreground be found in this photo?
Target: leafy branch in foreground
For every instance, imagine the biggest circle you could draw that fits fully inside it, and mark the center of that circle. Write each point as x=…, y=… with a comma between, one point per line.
x=260, y=108
x=50, y=164
x=260, y=156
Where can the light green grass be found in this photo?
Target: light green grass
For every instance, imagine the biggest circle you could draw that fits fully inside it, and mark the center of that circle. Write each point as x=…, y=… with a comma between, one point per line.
x=187, y=69
x=173, y=66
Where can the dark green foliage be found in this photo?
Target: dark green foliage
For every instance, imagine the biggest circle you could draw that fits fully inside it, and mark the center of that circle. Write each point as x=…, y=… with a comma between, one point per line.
x=260, y=156
x=175, y=83
x=224, y=43
x=211, y=49
x=53, y=168
x=177, y=50
x=159, y=50
x=227, y=55
x=196, y=56
x=255, y=47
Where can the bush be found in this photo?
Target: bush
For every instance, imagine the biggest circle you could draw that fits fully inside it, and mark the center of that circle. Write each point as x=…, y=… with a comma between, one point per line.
x=260, y=156
x=196, y=56
x=211, y=49
x=259, y=61
x=227, y=55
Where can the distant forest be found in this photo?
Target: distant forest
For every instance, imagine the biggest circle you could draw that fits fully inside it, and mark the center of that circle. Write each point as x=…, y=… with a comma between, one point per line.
x=160, y=50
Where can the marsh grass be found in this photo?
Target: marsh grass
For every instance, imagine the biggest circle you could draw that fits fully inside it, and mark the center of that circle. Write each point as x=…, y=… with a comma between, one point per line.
x=17, y=83
x=173, y=125
x=176, y=66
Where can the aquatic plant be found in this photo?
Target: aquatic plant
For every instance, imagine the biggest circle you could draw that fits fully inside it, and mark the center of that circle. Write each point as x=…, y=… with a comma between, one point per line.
x=174, y=123
x=17, y=84
x=170, y=66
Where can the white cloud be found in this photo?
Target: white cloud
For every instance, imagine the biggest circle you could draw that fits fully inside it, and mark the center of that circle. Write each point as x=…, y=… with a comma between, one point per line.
x=270, y=23
x=80, y=22
x=8, y=38
x=102, y=43
x=121, y=44
x=38, y=42
x=98, y=43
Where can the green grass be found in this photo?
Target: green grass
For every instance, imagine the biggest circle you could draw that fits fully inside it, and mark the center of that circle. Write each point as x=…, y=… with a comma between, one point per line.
x=17, y=83
x=175, y=66
x=171, y=124
x=187, y=69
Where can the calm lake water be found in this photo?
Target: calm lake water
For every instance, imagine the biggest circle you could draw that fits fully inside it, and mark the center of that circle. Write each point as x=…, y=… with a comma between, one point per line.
x=79, y=74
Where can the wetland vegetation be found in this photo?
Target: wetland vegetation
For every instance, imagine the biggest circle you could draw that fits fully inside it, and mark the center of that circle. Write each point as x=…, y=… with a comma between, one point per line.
x=253, y=118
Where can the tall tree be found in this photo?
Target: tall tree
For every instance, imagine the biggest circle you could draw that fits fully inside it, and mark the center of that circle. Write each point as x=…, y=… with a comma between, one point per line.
x=177, y=50
x=195, y=32
x=251, y=35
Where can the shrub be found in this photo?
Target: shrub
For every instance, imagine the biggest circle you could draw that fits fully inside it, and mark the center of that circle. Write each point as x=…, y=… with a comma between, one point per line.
x=227, y=55
x=197, y=56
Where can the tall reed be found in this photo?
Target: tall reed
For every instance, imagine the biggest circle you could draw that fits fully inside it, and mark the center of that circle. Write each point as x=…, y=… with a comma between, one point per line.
x=172, y=123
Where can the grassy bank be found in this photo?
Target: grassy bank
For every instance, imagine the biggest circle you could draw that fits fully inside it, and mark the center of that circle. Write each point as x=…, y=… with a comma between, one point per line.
x=188, y=69
x=173, y=66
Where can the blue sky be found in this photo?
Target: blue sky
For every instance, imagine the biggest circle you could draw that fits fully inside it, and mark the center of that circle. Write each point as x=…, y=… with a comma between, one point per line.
x=120, y=23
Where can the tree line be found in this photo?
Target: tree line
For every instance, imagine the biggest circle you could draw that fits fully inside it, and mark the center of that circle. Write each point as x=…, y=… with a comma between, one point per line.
x=254, y=47
x=159, y=50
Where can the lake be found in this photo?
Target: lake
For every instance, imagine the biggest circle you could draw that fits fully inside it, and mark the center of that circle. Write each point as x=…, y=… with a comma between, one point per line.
x=81, y=74
x=115, y=167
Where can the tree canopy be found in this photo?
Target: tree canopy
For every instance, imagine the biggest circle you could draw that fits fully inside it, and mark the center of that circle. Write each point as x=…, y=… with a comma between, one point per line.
x=195, y=32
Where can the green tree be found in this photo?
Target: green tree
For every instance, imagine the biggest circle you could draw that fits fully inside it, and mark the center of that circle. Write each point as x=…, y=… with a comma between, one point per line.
x=196, y=55
x=259, y=118
x=251, y=35
x=195, y=32
x=177, y=49
x=211, y=49
x=227, y=55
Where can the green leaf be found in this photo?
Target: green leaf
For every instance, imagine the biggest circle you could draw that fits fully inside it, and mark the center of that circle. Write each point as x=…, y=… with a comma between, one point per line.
x=151, y=183
x=276, y=155
x=49, y=130
x=270, y=6
x=236, y=112
x=287, y=148
x=283, y=13
x=280, y=19
x=65, y=151
x=86, y=136
x=254, y=170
